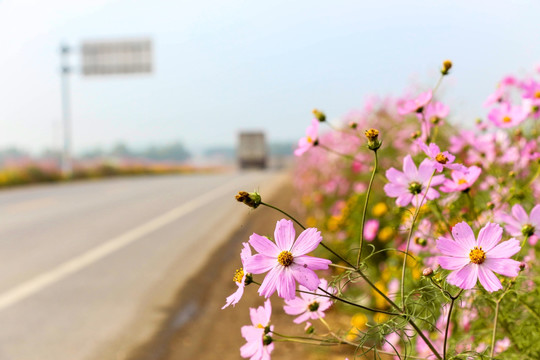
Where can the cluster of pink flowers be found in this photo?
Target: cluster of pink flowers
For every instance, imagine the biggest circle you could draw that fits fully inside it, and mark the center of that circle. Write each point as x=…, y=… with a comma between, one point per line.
x=459, y=209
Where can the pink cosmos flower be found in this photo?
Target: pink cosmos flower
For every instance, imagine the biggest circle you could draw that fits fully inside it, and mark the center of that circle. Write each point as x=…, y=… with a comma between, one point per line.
x=415, y=105
x=411, y=184
x=370, y=229
x=436, y=111
x=472, y=260
x=286, y=261
x=259, y=345
x=461, y=180
x=239, y=278
x=507, y=116
x=439, y=159
x=519, y=223
x=310, y=306
x=502, y=345
x=531, y=89
x=306, y=143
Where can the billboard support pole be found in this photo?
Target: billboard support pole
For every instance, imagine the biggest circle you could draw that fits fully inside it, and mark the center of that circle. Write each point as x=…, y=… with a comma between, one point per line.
x=65, y=70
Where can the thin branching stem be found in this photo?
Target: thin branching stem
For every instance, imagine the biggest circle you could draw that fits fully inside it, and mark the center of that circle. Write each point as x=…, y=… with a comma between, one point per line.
x=415, y=216
x=361, y=245
x=453, y=299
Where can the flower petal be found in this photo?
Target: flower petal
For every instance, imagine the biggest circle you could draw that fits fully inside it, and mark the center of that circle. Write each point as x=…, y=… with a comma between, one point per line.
x=452, y=248
x=396, y=176
x=284, y=234
x=286, y=286
x=409, y=168
x=506, y=267
x=395, y=190
x=504, y=250
x=488, y=279
x=269, y=284
x=465, y=278
x=259, y=263
x=452, y=263
x=263, y=245
x=535, y=217
x=307, y=241
x=520, y=214
x=489, y=236
x=404, y=199
x=425, y=170
x=305, y=277
x=311, y=262
x=464, y=235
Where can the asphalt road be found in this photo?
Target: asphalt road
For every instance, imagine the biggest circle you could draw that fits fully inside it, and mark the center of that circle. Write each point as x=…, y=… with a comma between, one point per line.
x=88, y=269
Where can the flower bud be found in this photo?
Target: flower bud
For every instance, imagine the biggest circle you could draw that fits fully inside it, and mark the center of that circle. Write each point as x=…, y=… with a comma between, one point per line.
x=310, y=329
x=420, y=241
x=415, y=135
x=252, y=199
x=353, y=124
x=319, y=115
x=427, y=272
x=490, y=205
x=522, y=266
x=267, y=340
x=372, y=136
x=446, y=66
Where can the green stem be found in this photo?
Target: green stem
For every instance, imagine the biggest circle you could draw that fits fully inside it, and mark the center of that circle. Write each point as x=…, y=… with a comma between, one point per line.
x=304, y=228
x=403, y=314
x=525, y=238
x=415, y=216
x=453, y=299
x=330, y=295
x=365, y=209
x=494, y=328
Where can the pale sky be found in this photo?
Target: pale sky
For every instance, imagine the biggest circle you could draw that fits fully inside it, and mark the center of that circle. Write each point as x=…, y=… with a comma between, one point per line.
x=226, y=65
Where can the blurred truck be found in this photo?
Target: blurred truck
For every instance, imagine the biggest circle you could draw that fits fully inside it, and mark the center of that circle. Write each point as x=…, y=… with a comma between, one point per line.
x=251, y=151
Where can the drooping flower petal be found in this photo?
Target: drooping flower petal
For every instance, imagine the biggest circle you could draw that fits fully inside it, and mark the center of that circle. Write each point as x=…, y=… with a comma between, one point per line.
x=488, y=279
x=464, y=278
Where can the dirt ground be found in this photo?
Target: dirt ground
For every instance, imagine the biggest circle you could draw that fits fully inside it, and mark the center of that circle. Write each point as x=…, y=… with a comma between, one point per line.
x=198, y=328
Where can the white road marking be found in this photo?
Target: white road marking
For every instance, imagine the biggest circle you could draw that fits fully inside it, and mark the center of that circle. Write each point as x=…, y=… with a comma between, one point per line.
x=38, y=283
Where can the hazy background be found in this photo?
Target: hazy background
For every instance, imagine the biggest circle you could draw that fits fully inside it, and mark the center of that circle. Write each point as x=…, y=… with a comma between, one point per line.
x=221, y=66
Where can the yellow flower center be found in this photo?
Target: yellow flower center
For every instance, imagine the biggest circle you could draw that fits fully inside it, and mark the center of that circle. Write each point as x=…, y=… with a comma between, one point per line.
x=506, y=119
x=537, y=94
x=285, y=258
x=477, y=255
x=441, y=158
x=462, y=181
x=309, y=139
x=238, y=275
x=260, y=326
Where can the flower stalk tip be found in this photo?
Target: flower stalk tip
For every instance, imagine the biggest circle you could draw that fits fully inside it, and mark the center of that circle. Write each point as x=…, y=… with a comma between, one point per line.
x=252, y=199
x=319, y=115
x=372, y=136
x=446, y=66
